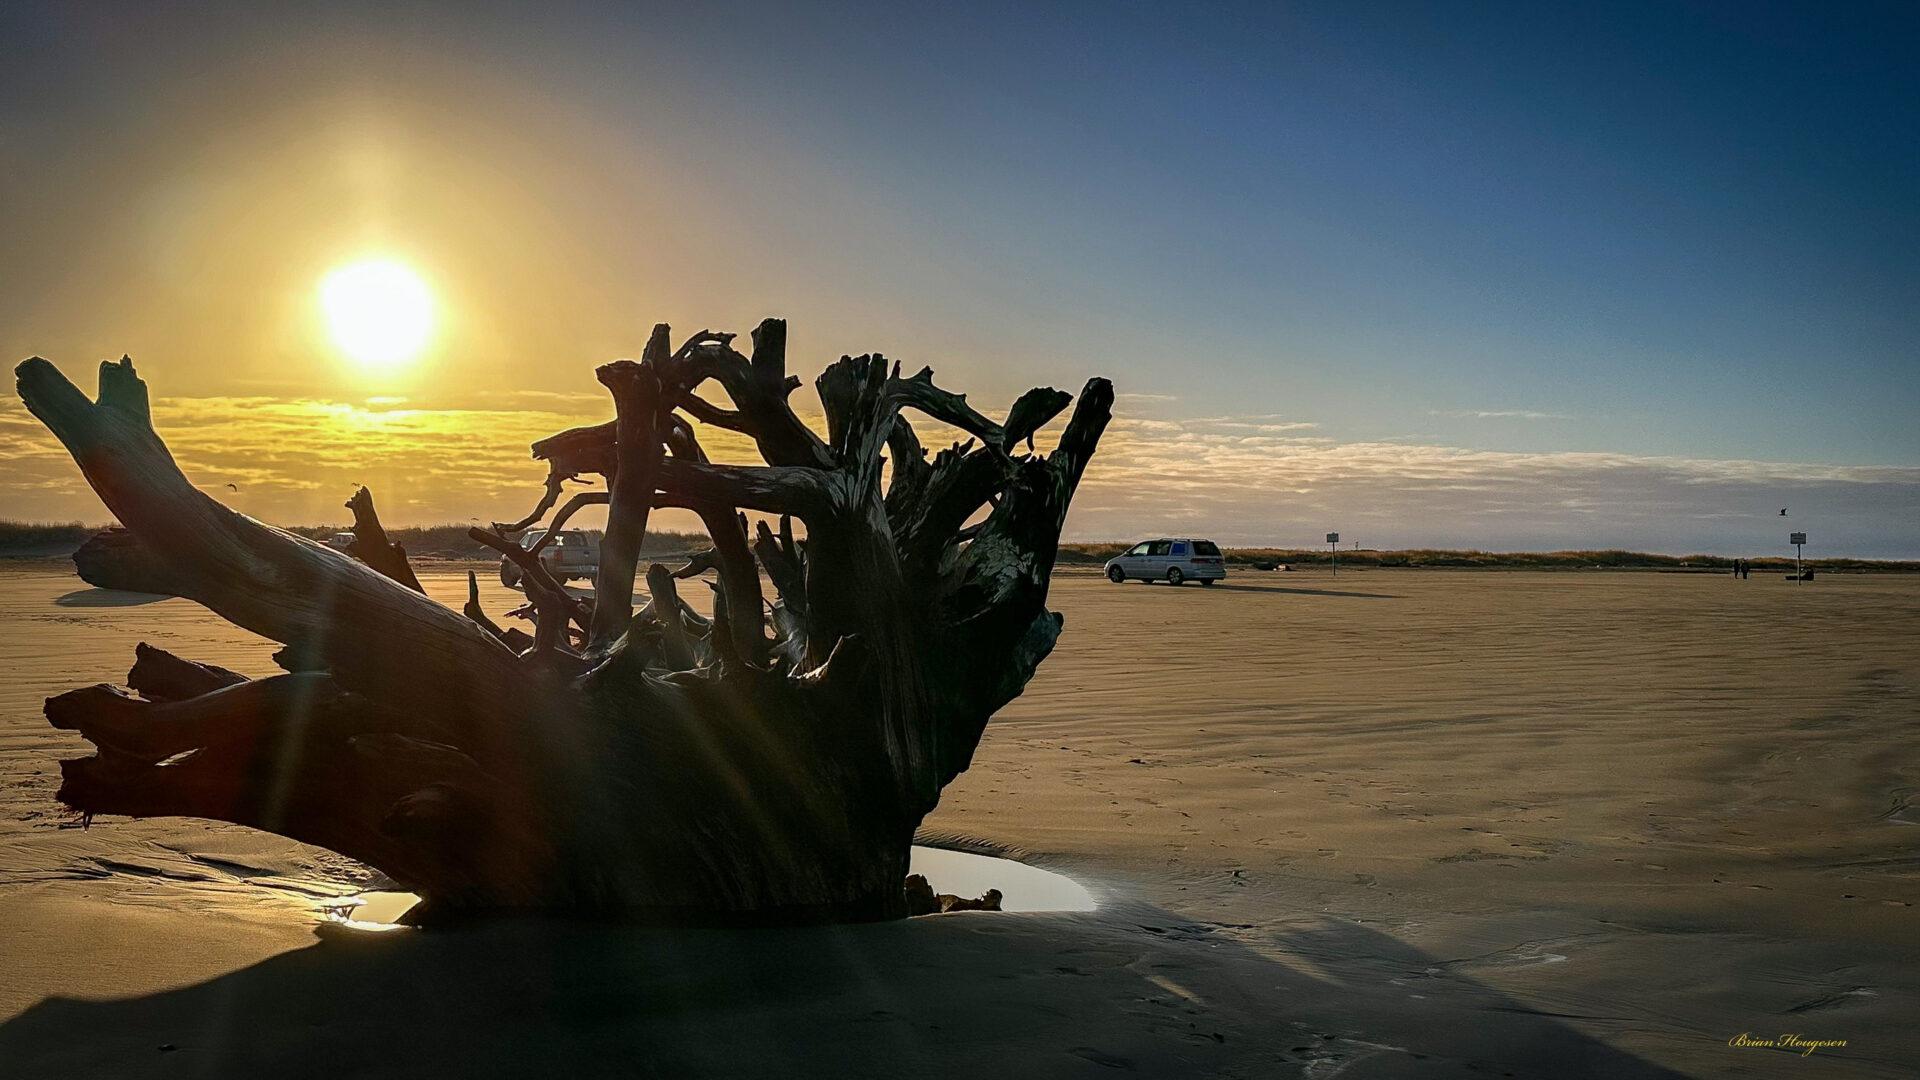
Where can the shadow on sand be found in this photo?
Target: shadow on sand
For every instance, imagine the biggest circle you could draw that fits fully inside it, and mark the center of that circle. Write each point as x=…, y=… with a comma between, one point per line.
x=1129, y=990
x=1223, y=586
x=108, y=598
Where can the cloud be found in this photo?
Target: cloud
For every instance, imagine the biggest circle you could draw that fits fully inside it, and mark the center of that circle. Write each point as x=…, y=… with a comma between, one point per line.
x=1499, y=414
x=1244, y=479
x=1255, y=423
x=296, y=461
x=1259, y=487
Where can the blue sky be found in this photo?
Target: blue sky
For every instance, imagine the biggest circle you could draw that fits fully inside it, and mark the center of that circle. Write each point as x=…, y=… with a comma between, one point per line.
x=1665, y=255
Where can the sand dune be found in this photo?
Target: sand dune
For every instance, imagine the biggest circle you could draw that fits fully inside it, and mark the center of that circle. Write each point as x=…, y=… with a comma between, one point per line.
x=1398, y=823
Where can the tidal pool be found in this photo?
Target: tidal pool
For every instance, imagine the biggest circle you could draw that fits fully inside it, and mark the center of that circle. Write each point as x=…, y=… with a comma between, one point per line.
x=1022, y=888
x=371, y=910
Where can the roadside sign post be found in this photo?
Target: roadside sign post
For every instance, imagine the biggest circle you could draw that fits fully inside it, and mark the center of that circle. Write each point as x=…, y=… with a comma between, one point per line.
x=1334, y=539
x=1798, y=540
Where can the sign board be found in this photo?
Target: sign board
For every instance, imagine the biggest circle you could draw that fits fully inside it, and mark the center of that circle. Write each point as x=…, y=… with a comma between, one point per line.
x=1333, y=538
x=1797, y=538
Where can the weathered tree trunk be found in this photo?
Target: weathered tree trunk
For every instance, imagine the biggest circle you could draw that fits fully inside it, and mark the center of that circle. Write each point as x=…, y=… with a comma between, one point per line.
x=769, y=764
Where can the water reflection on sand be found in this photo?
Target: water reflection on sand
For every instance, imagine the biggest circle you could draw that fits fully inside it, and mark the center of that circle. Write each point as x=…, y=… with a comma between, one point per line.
x=1022, y=888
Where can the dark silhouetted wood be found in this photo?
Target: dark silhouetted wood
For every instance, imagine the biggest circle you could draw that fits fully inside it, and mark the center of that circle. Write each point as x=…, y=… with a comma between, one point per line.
x=371, y=546
x=158, y=675
x=769, y=764
x=115, y=559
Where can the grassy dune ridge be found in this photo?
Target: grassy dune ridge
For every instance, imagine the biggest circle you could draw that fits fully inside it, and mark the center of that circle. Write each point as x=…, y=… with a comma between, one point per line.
x=32, y=536
x=452, y=541
x=1507, y=560
x=48, y=540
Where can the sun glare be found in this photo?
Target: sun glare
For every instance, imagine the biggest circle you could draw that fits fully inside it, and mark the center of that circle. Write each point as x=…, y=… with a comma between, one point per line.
x=378, y=311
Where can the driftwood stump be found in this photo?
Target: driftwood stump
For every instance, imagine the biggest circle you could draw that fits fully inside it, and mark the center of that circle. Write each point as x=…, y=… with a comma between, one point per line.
x=768, y=764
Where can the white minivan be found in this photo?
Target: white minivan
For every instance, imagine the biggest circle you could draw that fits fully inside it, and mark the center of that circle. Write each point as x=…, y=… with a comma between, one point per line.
x=1174, y=561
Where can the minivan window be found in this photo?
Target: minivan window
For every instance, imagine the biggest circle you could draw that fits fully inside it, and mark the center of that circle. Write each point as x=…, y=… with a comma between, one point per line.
x=1159, y=547
x=1137, y=549
x=1205, y=547
x=1179, y=548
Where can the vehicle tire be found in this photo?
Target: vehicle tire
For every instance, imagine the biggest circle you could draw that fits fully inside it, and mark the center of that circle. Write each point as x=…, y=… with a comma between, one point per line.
x=1208, y=580
x=1116, y=575
x=1175, y=577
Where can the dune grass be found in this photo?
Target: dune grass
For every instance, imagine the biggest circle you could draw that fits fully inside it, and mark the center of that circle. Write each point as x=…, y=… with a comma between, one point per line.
x=1507, y=560
x=452, y=541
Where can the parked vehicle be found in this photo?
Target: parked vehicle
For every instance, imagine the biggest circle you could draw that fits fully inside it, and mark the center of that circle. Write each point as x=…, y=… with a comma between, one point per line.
x=1174, y=561
x=571, y=554
x=341, y=541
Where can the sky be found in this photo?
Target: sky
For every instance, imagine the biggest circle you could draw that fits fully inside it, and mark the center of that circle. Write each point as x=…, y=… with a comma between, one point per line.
x=1502, y=276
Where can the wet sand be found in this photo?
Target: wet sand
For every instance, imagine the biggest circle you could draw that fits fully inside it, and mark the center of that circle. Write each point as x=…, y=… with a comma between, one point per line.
x=1393, y=823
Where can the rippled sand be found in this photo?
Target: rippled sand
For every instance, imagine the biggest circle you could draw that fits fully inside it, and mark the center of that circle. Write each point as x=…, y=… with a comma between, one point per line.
x=1398, y=823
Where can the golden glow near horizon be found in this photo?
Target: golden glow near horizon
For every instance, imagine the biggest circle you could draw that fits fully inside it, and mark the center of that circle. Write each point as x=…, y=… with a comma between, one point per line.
x=378, y=311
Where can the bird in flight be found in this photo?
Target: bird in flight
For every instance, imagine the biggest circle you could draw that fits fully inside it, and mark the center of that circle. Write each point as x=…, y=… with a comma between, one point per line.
x=233, y=487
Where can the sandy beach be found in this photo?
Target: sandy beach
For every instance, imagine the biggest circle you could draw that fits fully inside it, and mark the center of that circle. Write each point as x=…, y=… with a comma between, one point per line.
x=1389, y=823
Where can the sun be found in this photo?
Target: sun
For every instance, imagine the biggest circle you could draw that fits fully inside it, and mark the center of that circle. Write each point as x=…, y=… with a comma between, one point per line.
x=378, y=311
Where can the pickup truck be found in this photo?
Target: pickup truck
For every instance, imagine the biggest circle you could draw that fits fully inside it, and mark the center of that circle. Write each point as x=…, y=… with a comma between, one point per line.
x=571, y=554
